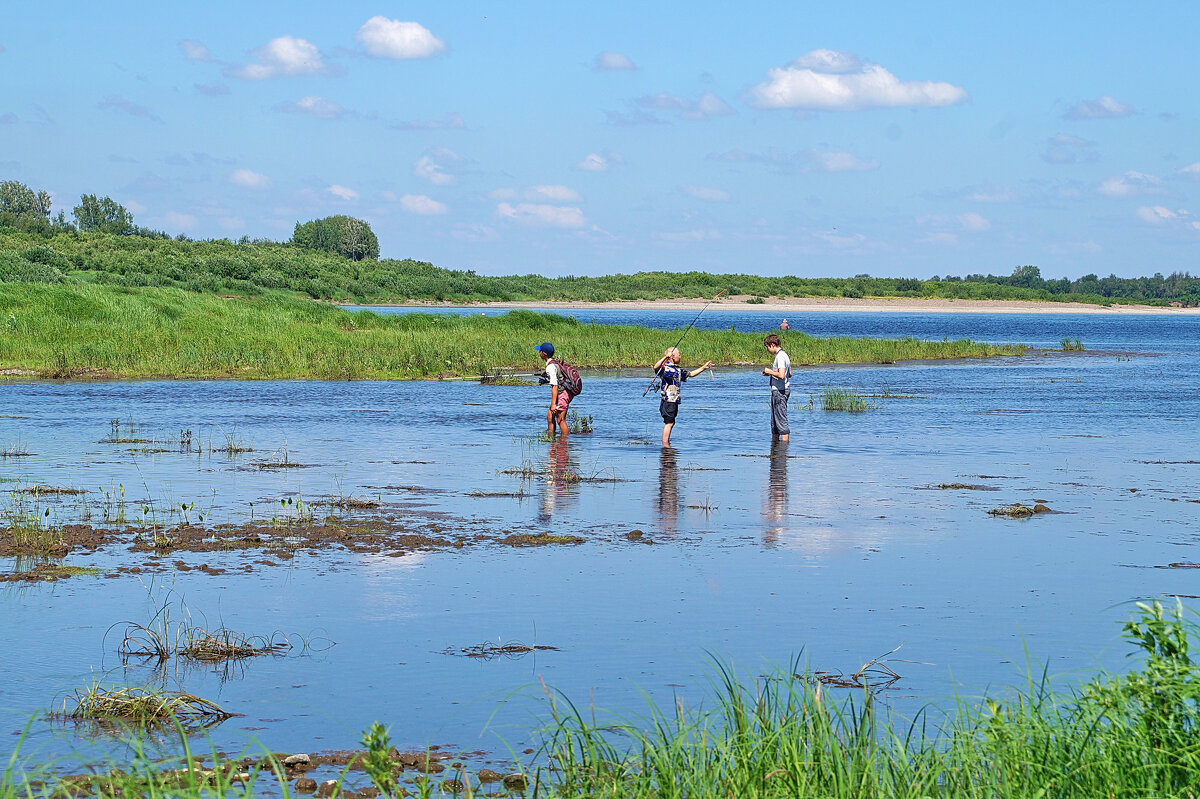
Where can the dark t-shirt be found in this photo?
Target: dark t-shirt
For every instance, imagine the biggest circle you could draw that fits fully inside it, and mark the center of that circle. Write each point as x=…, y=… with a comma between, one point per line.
x=672, y=377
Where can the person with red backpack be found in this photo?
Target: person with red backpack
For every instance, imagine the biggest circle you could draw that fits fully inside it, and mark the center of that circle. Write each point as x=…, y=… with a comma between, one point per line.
x=565, y=385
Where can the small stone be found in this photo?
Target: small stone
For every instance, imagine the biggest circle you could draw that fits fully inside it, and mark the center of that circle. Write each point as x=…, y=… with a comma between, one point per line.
x=487, y=775
x=515, y=782
x=634, y=535
x=1040, y=508
x=306, y=785
x=454, y=786
x=327, y=788
x=292, y=761
x=369, y=792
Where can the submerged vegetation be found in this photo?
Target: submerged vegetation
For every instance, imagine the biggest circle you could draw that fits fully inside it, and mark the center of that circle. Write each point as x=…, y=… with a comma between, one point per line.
x=148, y=332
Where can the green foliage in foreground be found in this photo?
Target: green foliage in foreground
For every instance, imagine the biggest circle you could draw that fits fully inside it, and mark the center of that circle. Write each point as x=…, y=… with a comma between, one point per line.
x=48, y=253
x=1131, y=736
x=79, y=330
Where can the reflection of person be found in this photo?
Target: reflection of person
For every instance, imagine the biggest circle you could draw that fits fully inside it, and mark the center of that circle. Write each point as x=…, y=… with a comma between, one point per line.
x=780, y=372
x=560, y=398
x=775, y=495
x=561, y=476
x=672, y=376
x=668, y=489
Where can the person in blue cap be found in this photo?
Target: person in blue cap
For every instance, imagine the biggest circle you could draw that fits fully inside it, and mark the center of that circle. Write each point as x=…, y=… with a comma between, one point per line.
x=560, y=398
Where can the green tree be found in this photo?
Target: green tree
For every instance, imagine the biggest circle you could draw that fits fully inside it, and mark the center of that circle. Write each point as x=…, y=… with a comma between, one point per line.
x=23, y=208
x=349, y=237
x=103, y=215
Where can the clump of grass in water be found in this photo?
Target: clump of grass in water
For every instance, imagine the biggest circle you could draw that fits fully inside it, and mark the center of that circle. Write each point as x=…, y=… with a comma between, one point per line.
x=1071, y=345
x=29, y=527
x=139, y=705
x=579, y=424
x=849, y=400
x=1133, y=735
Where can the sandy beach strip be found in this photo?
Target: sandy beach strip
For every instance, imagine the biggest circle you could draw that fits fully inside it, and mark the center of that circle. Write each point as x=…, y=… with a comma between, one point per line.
x=795, y=305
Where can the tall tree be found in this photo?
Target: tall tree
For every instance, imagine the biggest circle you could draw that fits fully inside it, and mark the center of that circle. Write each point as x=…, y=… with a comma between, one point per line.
x=103, y=215
x=22, y=207
x=349, y=237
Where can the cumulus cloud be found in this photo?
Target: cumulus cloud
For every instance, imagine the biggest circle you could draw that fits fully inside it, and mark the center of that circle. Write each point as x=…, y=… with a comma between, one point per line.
x=1131, y=184
x=286, y=56
x=974, y=222
x=420, y=204
x=1104, y=108
x=435, y=164
x=249, y=179
x=707, y=106
x=535, y=214
x=613, y=61
x=1191, y=171
x=830, y=80
x=1158, y=215
x=832, y=161
x=392, y=38
x=341, y=192
x=117, y=103
x=313, y=106
x=706, y=193
x=194, y=50
x=213, y=90
x=546, y=193
x=593, y=162
x=450, y=122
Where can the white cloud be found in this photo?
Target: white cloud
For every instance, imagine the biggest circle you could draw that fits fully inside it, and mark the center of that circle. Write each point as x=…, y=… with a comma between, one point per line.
x=313, y=106
x=1158, y=215
x=1131, y=184
x=1104, y=108
x=452, y=121
x=391, y=38
x=285, y=56
x=614, y=61
x=564, y=216
x=593, y=162
x=992, y=194
x=706, y=193
x=249, y=179
x=178, y=221
x=1191, y=171
x=115, y=102
x=827, y=161
x=709, y=105
x=557, y=194
x=1066, y=149
x=342, y=193
x=420, y=204
x=194, y=51
x=974, y=222
x=829, y=80
x=432, y=166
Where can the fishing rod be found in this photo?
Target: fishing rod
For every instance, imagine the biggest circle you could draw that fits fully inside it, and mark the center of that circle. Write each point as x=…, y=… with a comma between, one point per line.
x=685, y=332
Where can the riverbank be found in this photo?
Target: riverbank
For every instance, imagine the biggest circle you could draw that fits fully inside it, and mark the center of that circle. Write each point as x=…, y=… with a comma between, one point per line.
x=109, y=332
x=796, y=305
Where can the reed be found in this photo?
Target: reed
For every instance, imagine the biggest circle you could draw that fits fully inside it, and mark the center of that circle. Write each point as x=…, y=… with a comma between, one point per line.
x=138, y=705
x=147, y=332
x=849, y=400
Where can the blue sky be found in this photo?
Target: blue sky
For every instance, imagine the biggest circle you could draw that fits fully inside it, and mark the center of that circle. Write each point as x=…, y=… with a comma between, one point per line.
x=896, y=139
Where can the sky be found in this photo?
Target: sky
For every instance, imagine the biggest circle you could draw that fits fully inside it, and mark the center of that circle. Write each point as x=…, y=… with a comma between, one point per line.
x=561, y=138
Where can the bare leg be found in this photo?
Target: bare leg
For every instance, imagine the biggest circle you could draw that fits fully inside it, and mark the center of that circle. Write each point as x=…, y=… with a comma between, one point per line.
x=666, y=439
x=550, y=422
x=561, y=416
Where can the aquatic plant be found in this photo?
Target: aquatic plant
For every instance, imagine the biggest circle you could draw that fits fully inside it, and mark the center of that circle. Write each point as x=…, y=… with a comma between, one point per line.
x=30, y=528
x=850, y=400
x=137, y=704
x=1071, y=345
x=578, y=423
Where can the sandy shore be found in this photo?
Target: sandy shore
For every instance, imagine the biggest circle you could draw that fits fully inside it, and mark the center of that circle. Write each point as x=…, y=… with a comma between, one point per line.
x=794, y=305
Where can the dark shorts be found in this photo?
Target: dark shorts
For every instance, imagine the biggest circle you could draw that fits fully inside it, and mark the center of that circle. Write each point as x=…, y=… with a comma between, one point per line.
x=669, y=411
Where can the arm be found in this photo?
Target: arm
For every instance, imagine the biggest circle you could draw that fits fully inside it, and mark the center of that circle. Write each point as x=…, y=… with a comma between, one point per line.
x=769, y=372
x=698, y=370
x=658, y=364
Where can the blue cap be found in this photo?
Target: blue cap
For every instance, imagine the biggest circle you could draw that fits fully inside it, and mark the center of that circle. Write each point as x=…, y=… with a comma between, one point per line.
x=547, y=348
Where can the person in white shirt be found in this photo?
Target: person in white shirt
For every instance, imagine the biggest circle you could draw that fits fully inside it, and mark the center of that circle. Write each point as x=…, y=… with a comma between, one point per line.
x=780, y=372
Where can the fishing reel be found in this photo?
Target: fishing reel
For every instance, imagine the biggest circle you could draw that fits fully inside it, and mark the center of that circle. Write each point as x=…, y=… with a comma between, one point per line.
x=543, y=379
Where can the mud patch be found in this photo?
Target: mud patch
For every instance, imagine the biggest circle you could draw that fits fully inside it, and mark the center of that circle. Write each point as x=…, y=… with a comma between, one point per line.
x=1019, y=511
x=539, y=539
x=48, y=573
x=492, y=651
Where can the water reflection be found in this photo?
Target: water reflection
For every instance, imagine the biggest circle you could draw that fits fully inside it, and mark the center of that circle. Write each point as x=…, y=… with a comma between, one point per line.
x=776, y=493
x=667, y=499
x=562, y=476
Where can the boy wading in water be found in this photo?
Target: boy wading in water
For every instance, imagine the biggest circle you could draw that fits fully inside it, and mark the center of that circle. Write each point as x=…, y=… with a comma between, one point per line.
x=780, y=372
x=560, y=397
x=672, y=376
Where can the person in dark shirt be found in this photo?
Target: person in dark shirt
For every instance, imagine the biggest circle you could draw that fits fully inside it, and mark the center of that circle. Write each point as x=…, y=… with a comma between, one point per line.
x=672, y=376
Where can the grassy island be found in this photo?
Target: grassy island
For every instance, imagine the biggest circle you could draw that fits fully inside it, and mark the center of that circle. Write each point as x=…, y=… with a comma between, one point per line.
x=67, y=330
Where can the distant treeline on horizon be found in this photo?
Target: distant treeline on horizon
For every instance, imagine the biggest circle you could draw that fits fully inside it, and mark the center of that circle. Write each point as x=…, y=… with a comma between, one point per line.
x=337, y=259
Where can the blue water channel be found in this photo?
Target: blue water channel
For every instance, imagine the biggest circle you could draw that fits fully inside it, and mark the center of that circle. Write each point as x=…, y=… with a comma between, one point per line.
x=832, y=551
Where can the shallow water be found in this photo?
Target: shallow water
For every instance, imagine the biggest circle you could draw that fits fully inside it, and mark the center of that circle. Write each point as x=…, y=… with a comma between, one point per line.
x=834, y=550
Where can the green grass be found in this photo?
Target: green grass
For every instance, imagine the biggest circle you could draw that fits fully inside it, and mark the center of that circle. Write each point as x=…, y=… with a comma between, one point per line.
x=850, y=400
x=71, y=331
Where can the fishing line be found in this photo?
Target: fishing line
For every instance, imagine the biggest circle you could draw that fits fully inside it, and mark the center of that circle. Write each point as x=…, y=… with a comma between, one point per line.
x=716, y=296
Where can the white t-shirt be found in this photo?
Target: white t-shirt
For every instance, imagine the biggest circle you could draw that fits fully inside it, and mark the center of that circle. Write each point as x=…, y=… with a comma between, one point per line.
x=782, y=364
x=552, y=373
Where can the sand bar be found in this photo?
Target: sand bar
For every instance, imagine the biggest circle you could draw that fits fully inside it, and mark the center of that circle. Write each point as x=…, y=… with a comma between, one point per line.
x=794, y=305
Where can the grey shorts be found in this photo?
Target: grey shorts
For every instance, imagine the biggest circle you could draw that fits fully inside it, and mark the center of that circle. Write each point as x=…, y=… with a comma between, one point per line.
x=779, y=422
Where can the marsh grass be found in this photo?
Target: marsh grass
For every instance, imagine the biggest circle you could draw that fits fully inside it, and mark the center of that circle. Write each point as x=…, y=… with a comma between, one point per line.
x=850, y=400
x=31, y=530
x=138, y=705
x=234, y=445
x=14, y=449
x=1132, y=735
x=579, y=424
x=213, y=646
x=1071, y=345
x=156, y=332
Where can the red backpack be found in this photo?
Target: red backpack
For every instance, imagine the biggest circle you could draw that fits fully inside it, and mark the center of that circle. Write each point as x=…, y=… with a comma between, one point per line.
x=571, y=382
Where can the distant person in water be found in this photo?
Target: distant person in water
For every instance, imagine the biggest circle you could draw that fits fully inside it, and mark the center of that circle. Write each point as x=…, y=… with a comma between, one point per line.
x=672, y=376
x=784, y=325
x=560, y=398
x=780, y=372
